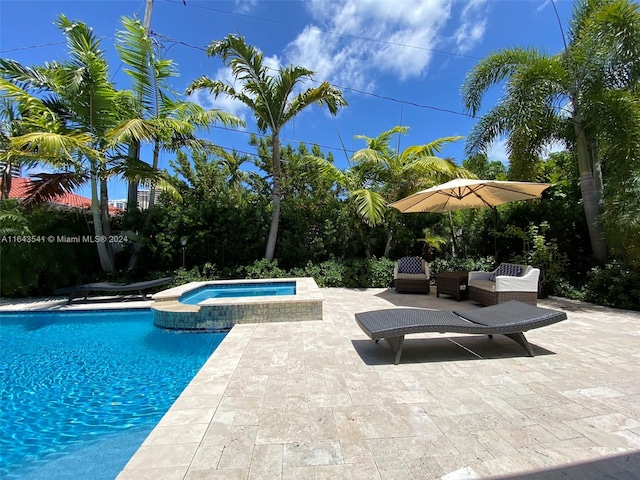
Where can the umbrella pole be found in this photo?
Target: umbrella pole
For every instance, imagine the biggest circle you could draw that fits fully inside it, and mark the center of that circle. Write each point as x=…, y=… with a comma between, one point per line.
x=454, y=241
x=495, y=233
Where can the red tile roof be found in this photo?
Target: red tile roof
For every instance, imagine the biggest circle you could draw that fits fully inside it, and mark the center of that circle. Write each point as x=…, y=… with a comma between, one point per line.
x=20, y=187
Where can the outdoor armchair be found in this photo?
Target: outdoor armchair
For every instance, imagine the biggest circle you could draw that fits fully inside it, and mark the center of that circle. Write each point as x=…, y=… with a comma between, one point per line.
x=411, y=275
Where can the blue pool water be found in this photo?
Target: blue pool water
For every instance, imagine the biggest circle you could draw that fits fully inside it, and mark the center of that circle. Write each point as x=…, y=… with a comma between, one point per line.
x=89, y=386
x=234, y=290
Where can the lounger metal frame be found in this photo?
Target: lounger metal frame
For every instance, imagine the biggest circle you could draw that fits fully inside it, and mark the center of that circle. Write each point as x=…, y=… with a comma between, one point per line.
x=511, y=319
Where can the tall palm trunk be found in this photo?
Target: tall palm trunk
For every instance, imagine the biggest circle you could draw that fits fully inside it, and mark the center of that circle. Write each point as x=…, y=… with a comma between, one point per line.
x=588, y=189
x=5, y=181
x=137, y=246
x=105, y=259
x=152, y=191
x=106, y=220
x=277, y=199
x=132, y=191
x=388, y=243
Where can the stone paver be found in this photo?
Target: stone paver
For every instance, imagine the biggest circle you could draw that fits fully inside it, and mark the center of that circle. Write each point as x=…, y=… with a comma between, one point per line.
x=319, y=400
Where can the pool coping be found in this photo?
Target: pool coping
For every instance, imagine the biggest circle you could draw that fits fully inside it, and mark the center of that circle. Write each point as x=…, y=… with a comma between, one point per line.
x=306, y=290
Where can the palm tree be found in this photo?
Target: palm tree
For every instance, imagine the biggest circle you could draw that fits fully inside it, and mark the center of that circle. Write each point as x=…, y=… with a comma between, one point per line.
x=380, y=174
x=272, y=100
x=175, y=120
x=582, y=96
x=73, y=121
x=82, y=99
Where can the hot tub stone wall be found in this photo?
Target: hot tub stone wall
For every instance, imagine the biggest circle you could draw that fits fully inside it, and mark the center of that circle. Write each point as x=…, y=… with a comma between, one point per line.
x=222, y=315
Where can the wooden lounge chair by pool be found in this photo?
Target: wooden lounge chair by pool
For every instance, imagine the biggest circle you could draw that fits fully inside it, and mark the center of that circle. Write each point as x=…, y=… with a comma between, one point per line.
x=84, y=290
x=511, y=319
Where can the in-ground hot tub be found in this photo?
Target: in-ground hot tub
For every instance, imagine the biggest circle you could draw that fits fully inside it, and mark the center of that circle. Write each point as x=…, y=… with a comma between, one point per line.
x=213, y=308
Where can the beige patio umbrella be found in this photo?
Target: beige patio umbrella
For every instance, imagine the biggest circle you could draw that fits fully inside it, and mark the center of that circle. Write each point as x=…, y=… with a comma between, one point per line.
x=468, y=193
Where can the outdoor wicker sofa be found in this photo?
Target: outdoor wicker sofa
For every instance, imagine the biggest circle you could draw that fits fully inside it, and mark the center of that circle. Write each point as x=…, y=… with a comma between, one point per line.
x=84, y=290
x=507, y=282
x=411, y=275
x=511, y=319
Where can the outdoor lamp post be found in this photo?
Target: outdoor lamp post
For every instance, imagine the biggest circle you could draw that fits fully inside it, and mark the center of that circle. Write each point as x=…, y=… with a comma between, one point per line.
x=183, y=242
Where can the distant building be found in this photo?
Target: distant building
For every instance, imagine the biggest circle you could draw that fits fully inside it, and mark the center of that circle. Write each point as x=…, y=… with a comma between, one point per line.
x=144, y=196
x=121, y=204
x=20, y=188
x=16, y=170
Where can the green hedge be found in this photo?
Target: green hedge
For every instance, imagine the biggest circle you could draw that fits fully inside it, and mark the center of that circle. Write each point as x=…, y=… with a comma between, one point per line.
x=352, y=273
x=614, y=285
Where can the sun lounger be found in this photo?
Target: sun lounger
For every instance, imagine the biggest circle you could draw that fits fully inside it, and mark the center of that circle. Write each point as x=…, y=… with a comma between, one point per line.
x=84, y=290
x=511, y=319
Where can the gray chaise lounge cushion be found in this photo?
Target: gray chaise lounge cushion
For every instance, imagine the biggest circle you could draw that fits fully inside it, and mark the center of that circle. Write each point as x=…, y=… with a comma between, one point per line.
x=510, y=319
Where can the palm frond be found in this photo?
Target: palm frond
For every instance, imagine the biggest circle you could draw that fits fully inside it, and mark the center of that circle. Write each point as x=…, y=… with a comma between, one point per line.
x=54, y=147
x=324, y=95
x=492, y=125
x=24, y=77
x=492, y=70
x=137, y=129
x=326, y=170
x=370, y=206
x=45, y=187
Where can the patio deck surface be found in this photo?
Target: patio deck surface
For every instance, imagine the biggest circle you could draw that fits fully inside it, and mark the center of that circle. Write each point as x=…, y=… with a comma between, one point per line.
x=319, y=400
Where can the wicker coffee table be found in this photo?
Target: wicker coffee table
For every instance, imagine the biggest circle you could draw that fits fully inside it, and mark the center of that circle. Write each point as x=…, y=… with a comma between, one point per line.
x=452, y=283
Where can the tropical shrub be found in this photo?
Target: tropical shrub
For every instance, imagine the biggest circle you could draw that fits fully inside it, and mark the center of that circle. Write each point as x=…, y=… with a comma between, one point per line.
x=39, y=267
x=615, y=284
x=452, y=264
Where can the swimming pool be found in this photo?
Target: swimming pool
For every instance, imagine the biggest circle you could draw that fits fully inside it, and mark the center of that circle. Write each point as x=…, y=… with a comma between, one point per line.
x=233, y=290
x=79, y=381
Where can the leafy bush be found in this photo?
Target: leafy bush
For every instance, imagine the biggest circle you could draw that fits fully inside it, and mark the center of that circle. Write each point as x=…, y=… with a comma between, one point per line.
x=477, y=264
x=351, y=273
x=40, y=267
x=182, y=275
x=615, y=285
x=329, y=273
x=263, y=268
x=379, y=272
x=563, y=288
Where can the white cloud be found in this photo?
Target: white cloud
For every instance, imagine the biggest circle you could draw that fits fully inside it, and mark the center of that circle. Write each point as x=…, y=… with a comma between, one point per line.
x=245, y=6
x=272, y=63
x=353, y=41
x=498, y=151
x=473, y=24
x=543, y=5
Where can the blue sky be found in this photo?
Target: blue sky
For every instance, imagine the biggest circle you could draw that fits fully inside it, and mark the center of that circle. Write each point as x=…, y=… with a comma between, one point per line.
x=399, y=62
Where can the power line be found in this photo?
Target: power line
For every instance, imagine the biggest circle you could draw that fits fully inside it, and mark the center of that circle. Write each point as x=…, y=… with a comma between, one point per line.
x=17, y=49
x=362, y=92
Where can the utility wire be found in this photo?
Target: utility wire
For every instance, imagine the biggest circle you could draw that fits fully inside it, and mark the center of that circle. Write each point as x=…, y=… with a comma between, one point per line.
x=17, y=49
x=355, y=90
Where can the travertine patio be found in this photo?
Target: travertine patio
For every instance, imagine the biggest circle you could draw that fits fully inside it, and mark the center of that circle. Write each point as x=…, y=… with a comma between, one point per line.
x=319, y=400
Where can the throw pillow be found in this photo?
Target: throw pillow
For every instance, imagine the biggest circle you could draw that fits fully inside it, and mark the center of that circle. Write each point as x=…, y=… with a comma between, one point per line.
x=506, y=269
x=410, y=265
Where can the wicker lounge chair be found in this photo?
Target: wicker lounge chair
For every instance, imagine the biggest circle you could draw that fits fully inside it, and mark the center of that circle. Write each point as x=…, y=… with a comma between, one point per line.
x=411, y=275
x=84, y=290
x=511, y=319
